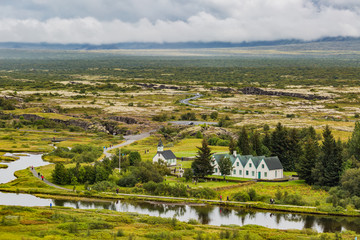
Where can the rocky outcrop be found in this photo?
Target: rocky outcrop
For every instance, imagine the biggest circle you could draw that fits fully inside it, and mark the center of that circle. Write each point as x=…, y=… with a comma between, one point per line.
x=258, y=91
x=18, y=99
x=96, y=126
x=127, y=120
x=223, y=90
x=159, y=87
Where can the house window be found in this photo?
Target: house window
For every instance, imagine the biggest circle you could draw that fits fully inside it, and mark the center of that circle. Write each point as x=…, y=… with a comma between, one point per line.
x=240, y=172
x=237, y=164
x=250, y=165
x=234, y=172
x=253, y=173
x=216, y=170
x=247, y=173
x=265, y=174
x=263, y=166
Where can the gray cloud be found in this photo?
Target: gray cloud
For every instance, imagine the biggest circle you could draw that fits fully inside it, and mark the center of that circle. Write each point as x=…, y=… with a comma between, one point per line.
x=110, y=21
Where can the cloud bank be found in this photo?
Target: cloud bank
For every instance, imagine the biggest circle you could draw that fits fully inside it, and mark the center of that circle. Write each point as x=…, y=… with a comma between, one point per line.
x=111, y=21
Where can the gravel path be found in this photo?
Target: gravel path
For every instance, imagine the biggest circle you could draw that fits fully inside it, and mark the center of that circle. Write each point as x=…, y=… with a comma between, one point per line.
x=34, y=172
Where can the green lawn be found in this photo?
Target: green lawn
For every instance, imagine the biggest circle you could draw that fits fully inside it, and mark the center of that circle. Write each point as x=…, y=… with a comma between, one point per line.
x=184, y=148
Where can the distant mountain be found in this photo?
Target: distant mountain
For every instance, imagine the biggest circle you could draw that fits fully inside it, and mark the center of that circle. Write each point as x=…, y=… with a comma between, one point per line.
x=338, y=42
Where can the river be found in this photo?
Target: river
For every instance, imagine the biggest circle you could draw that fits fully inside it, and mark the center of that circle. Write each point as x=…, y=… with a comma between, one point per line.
x=213, y=215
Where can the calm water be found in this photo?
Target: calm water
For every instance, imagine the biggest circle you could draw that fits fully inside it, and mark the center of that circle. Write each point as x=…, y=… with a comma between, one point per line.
x=7, y=174
x=213, y=215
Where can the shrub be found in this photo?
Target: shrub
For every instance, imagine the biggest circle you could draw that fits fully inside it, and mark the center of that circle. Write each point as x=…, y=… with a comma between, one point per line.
x=188, y=174
x=241, y=197
x=252, y=194
x=104, y=186
x=203, y=193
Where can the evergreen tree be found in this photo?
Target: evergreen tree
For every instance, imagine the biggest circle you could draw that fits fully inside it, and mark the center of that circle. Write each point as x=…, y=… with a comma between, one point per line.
x=312, y=133
x=293, y=151
x=202, y=165
x=279, y=145
x=243, y=142
x=267, y=140
x=354, y=142
x=232, y=146
x=329, y=165
x=256, y=144
x=60, y=174
x=225, y=166
x=307, y=161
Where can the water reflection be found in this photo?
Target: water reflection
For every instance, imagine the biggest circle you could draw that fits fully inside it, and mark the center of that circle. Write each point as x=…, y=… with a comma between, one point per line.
x=213, y=215
x=7, y=174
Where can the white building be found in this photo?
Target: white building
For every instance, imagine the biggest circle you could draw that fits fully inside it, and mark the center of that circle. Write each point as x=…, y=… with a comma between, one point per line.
x=248, y=166
x=166, y=156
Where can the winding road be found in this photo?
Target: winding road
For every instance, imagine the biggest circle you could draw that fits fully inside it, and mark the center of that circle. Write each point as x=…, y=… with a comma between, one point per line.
x=128, y=140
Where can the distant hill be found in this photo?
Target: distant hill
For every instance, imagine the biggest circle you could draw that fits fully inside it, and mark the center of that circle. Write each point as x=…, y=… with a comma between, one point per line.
x=335, y=43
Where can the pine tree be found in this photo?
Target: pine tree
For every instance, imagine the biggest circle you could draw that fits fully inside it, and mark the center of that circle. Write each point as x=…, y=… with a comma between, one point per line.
x=202, y=165
x=232, y=146
x=354, y=142
x=329, y=165
x=225, y=166
x=293, y=151
x=267, y=140
x=256, y=144
x=307, y=161
x=279, y=145
x=243, y=142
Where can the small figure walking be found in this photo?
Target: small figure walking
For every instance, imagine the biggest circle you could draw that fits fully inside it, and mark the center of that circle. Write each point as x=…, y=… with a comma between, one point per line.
x=42, y=177
x=227, y=198
x=50, y=205
x=117, y=191
x=220, y=198
x=38, y=174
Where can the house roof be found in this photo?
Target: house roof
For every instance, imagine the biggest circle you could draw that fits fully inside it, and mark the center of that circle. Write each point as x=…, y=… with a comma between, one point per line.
x=168, y=154
x=273, y=163
x=257, y=159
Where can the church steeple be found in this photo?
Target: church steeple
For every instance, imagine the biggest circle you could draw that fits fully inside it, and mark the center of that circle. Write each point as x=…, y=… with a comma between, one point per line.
x=160, y=146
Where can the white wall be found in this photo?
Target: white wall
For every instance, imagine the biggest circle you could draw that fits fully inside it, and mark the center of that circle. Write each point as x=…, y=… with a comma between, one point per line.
x=158, y=157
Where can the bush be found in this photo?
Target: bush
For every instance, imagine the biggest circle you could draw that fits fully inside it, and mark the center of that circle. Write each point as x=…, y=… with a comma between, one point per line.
x=241, y=197
x=128, y=181
x=207, y=193
x=252, y=194
x=104, y=186
x=188, y=174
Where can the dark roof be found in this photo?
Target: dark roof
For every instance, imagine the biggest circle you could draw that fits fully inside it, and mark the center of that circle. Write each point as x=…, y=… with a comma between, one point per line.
x=168, y=154
x=257, y=159
x=160, y=144
x=273, y=163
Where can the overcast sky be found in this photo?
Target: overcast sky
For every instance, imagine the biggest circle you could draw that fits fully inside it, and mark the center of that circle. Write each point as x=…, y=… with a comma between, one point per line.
x=113, y=21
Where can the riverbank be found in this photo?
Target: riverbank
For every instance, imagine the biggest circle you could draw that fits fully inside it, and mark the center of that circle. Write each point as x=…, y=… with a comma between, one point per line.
x=60, y=223
x=30, y=184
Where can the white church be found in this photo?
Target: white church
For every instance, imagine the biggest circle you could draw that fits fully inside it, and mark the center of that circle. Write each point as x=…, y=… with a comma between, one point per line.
x=248, y=166
x=167, y=156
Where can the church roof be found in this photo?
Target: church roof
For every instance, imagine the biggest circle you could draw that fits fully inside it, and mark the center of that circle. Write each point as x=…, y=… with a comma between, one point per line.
x=168, y=154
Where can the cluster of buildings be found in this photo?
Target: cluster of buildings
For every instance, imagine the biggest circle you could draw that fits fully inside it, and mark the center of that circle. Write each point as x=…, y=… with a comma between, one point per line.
x=243, y=166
